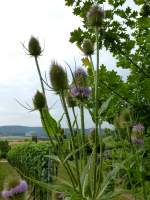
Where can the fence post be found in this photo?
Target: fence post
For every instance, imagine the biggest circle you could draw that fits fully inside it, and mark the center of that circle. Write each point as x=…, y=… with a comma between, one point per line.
x=49, y=166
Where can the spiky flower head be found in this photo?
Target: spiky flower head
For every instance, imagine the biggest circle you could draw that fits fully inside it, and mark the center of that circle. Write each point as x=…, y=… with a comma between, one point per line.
x=81, y=93
x=125, y=118
x=34, y=47
x=80, y=77
x=39, y=101
x=58, y=77
x=88, y=47
x=95, y=16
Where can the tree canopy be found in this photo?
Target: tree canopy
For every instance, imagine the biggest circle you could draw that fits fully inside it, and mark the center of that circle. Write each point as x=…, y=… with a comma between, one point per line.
x=126, y=35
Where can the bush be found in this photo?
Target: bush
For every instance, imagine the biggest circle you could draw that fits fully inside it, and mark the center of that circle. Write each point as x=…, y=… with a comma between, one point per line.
x=30, y=158
x=4, y=148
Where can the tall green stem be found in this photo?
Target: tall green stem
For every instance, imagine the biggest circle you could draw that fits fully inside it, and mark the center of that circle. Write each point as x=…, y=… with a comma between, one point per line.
x=92, y=64
x=96, y=111
x=78, y=135
x=41, y=80
x=101, y=161
x=83, y=133
x=75, y=118
x=72, y=138
x=40, y=76
x=140, y=165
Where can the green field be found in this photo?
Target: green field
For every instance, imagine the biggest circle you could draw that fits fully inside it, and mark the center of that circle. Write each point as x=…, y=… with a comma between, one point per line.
x=14, y=138
x=6, y=171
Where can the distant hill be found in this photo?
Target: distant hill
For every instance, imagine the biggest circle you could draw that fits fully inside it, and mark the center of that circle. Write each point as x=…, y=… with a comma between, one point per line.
x=21, y=131
x=28, y=131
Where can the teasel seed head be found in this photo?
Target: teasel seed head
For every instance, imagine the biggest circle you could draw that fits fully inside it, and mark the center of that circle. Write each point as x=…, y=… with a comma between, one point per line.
x=125, y=118
x=58, y=78
x=34, y=47
x=39, y=101
x=88, y=47
x=95, y=16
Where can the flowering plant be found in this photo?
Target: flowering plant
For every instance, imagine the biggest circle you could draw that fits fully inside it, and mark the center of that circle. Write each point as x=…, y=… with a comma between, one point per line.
x=85, y=172
x=15, y=190
x=89, y=178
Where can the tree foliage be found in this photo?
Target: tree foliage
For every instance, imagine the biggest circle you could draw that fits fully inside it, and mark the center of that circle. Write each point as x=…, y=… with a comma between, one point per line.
x=126, y=35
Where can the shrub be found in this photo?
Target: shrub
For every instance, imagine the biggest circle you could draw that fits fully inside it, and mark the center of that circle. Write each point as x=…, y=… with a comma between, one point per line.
x=4, y=148
x=30, y=158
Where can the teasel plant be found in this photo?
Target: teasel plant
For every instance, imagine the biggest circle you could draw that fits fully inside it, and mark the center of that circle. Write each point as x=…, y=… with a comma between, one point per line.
x=87, y=179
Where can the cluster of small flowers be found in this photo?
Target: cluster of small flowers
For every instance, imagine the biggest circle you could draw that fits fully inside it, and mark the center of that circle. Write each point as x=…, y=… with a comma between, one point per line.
x=80, y=92
x=22, y=187
x=80, y=73
x=138, y=128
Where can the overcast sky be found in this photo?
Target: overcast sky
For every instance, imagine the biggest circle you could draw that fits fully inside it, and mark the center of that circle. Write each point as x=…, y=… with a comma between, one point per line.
x=50, y=21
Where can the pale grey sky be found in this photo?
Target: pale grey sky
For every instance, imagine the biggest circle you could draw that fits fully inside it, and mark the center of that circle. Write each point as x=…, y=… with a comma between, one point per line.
x=50, y=21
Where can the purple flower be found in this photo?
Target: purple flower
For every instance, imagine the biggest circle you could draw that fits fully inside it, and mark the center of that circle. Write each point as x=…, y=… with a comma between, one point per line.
x=22, y=187
x=7, y=193
x=80, y=78
x=138, y=128
x=80, y=92
x=138, y=141
x=80, y=73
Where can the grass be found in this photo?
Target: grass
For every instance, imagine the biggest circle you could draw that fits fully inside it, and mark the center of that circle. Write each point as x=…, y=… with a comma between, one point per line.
x=6, y=171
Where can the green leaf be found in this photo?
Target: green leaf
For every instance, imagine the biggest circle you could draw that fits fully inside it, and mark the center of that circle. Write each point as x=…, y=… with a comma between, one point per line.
x=69, y=2
x=48, y=122
x=107, y=181
x=139, y=2
x=54, y=158
x=105, y=105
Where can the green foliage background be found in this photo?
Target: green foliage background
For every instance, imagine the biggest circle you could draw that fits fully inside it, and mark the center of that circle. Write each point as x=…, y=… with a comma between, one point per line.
x=126, y=36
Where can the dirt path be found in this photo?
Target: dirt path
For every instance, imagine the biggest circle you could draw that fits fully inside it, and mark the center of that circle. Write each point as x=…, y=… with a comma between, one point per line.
x=3, y=161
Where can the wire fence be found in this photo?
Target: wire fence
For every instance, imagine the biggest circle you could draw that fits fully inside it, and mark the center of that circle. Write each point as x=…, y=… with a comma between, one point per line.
x=38, y=189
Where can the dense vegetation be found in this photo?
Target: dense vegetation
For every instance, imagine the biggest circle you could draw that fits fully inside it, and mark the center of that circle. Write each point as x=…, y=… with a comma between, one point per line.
x=4, y=148
x=32, y=159
x=104, y=166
